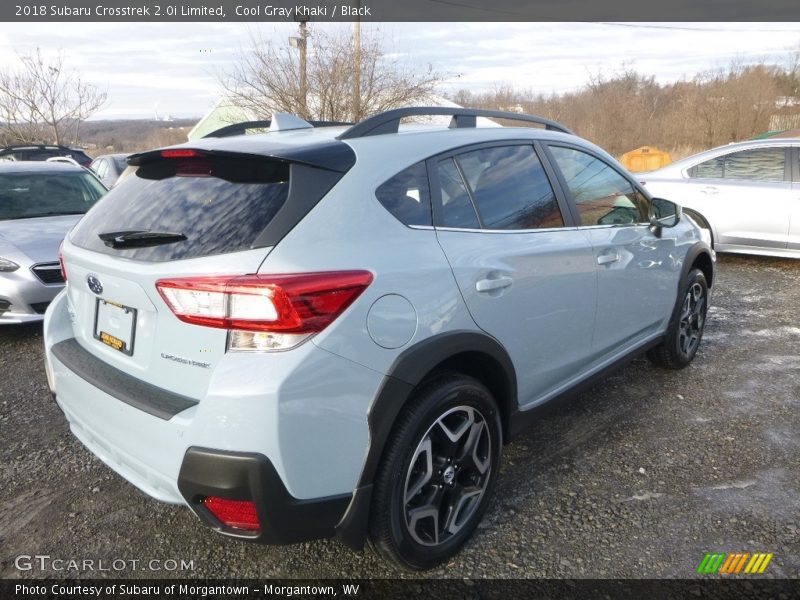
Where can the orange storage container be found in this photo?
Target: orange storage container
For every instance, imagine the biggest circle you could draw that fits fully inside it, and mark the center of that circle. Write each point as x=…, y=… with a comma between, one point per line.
x=645, y=159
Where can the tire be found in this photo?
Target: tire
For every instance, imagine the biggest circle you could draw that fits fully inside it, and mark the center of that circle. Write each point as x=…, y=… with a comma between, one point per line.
x=685, y=330
x=424, y=506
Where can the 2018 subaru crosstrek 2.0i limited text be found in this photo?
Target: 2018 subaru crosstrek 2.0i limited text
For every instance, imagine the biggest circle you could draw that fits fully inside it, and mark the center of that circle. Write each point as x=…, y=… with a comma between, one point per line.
x=323, y=331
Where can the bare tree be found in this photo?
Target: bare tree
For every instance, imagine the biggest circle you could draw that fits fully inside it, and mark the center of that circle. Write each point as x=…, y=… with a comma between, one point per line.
x=42, y=100
x=625, y=109
x=268, y=78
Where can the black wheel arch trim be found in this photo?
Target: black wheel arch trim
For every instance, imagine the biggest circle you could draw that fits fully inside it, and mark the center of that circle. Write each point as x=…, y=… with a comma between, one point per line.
x=696, y=251
x=701, y=221
x=405, y=374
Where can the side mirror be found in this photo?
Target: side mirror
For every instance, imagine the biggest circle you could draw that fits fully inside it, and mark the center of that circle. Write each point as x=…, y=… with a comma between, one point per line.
x=664, y=213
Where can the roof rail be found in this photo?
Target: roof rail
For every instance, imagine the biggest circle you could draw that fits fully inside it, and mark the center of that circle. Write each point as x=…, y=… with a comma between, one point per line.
x=389, y=121
x=241, y=128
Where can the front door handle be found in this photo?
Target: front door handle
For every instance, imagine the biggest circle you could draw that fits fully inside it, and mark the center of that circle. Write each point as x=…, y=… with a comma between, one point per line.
x=607, y=259
x=487, y=285
x=710, y=189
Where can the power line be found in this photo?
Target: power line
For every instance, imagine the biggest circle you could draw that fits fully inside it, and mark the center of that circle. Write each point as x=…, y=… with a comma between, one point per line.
x=683, y=28
x=480, y=8
x=614, y=24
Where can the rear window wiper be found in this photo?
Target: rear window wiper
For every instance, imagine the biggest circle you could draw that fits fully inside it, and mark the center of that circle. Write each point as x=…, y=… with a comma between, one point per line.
x=140, y=238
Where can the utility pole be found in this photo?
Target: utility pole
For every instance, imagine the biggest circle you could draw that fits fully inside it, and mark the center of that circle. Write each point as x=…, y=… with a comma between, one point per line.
x=356, y=91
x=301, y=43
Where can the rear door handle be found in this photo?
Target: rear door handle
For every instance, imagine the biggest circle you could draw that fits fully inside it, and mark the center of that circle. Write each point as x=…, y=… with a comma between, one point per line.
x=487, y=285
x=710, y=189
x=607, y=259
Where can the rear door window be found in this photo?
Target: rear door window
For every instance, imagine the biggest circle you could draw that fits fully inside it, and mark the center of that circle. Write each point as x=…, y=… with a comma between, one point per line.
x=220, y=204
x=457, y=208
x=407, y=196
x=510, y=188
x=757, y=164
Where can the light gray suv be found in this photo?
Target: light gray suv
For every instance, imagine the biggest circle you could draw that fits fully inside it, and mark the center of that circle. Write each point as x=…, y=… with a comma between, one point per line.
x=329, y=331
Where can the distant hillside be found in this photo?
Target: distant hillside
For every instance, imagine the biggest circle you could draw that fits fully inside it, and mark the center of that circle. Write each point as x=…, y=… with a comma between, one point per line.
x=132, y=135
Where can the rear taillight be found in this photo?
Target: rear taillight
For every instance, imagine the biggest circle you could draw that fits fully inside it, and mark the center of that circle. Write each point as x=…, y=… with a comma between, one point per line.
x=264, y=312
x=61, y=262
x=239, y=514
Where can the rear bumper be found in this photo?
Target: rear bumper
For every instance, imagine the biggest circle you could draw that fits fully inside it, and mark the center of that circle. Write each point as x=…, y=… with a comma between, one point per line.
x=249, y=476
x=265, y=431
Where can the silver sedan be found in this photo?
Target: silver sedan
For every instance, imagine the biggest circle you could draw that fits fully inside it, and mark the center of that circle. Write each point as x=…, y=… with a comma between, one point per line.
x=746, y=194
x=39, y=204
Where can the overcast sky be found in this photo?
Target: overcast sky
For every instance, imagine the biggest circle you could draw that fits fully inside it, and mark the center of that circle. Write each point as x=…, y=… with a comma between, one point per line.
x=170, y=68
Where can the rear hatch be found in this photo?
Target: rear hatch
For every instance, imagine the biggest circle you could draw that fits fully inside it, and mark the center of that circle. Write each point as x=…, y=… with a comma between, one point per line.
x=181, y=214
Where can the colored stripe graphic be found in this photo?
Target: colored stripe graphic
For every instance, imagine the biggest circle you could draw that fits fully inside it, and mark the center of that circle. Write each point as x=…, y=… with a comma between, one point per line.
x=703, y=563
x=728, y=561
x=759, y=562
x=711, y=562
x=725, y=563
x=741, y=562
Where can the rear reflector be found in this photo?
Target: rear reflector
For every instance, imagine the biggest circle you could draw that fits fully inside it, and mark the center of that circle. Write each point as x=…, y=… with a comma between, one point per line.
x=284, y=309
x=239, y=514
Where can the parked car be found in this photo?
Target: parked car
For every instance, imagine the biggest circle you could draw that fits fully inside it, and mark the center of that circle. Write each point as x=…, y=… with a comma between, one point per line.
x=745, y=194
x=109, y=167
x=39, y=203
x=43, y=152
x=333, y=331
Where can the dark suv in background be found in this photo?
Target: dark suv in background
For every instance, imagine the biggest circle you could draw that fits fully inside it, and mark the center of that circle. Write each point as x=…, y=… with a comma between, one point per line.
x=43, y=152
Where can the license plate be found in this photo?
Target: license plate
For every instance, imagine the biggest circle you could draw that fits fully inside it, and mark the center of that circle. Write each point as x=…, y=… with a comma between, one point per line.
x=115, y=325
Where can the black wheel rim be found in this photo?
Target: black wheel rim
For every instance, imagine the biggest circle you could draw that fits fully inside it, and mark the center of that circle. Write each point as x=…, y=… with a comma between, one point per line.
x=447, y=476
x=692, y=319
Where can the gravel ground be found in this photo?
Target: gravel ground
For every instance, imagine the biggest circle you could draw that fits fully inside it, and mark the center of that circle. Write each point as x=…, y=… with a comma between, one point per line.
x=639, y=477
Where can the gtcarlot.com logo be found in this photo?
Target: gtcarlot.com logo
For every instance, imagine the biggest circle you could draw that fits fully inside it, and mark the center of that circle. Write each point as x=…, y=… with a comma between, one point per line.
x=45, y=562
x=735, y=563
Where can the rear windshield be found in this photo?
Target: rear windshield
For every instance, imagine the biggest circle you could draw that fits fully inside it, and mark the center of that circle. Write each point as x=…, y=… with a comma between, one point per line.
x=29, y=195
x=219, y=204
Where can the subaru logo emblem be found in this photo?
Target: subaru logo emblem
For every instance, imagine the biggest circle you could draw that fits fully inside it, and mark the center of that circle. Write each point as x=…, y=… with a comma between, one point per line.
x=94, y=284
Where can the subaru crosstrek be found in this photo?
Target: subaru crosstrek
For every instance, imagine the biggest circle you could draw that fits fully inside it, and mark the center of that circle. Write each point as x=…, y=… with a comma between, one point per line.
x=328, y=331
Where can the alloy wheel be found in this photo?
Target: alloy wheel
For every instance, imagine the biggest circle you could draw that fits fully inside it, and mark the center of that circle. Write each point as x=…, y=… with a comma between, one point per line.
x=448, y=475
x=692, y=319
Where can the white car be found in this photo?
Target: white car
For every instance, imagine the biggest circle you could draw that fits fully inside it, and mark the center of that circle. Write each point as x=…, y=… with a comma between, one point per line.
x=746, y=194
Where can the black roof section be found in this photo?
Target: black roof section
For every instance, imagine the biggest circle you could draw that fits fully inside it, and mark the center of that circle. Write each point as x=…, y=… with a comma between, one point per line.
x=389, y=121
x=324, y=153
